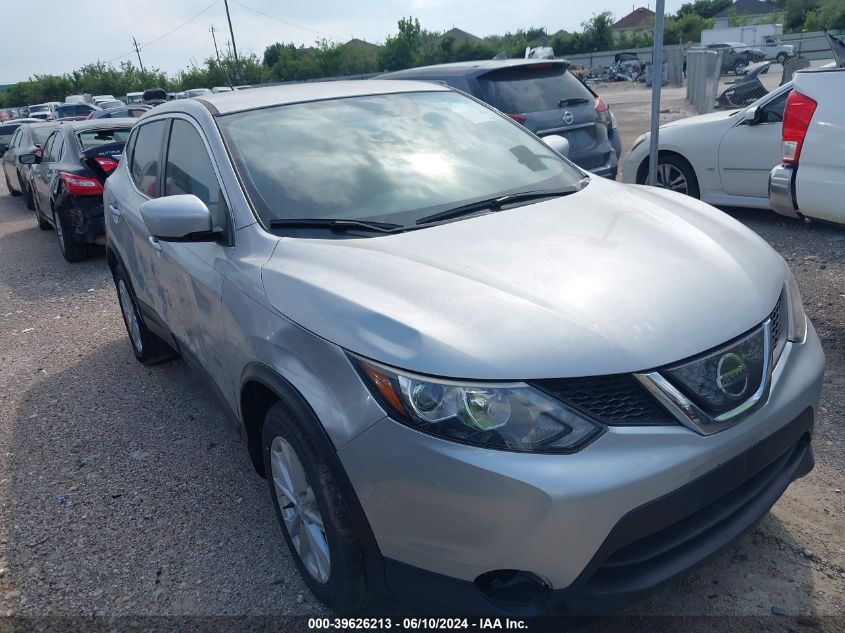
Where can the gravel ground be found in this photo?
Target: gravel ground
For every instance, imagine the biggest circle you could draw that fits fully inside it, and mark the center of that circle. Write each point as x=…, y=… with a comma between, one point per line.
x=122, y=494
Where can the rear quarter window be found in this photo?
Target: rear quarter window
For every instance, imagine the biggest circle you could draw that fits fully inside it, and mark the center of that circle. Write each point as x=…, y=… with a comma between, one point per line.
x=532, y=88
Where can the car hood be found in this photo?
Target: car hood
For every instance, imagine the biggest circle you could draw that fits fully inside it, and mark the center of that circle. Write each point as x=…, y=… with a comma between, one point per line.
x=720, y=116
x=615, y=278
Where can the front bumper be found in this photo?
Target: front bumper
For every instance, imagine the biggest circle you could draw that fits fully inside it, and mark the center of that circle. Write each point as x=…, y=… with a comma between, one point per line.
x=782, y=191
x=445, y=515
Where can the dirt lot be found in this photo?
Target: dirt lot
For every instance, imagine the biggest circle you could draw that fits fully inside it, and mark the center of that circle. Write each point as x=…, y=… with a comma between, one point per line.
x=120, y=494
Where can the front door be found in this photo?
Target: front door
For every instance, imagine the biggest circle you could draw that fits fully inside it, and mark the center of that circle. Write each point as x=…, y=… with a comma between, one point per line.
x=196, y=269
x=748, y=153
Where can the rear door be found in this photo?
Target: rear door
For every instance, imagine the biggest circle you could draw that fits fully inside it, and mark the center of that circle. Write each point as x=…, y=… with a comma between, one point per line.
x=9, y=157
x=123, y=212
x=552, y=101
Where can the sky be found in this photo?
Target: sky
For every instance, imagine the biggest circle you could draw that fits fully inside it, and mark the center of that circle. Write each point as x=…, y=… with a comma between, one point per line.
x=173, y=33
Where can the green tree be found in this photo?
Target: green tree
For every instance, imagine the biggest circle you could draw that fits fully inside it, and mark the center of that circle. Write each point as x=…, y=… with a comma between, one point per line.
x=402, y=50
x=597, y=32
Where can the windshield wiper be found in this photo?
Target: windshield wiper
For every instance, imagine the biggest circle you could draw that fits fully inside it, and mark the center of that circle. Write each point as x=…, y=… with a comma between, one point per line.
x=497, y=203
x=334, y=224
x=571, y=101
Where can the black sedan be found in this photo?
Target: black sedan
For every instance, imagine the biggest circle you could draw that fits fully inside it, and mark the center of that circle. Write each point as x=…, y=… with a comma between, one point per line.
x=68, y=177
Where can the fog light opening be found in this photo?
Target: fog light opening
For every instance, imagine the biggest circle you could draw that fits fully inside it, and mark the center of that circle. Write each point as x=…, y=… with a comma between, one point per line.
x=513, y=587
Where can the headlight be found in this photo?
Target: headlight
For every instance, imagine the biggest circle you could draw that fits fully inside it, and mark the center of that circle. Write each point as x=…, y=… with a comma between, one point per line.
x=640, y=140
x=511, y=416
x=797, y=317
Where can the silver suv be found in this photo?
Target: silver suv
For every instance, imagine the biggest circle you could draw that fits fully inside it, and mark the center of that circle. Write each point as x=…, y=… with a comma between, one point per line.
x=476, y=378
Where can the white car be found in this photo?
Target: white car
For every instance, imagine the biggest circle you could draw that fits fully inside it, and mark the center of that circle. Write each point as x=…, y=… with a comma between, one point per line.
x=723, y=158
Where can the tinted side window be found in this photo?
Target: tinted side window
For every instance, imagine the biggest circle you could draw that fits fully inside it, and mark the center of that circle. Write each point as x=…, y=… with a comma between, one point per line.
x=189, y=170
x=146, y=153
x=773, y=111
x=48, y=146
x=58, y=146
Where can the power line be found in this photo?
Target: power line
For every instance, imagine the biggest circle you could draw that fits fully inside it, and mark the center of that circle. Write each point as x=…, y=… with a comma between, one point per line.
x=173, y=30
x=273, y=17
x=161, y=37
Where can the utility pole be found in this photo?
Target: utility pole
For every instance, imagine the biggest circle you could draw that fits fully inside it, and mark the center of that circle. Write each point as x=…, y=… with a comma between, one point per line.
x=213, y=37
x=234, y=46
x=217, y=52
x=138, y=51
x=656, y=84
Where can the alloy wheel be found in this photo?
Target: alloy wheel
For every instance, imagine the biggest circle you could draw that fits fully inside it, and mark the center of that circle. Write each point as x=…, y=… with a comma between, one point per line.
x=129, y=315
x=299, y=509
x=59, y=231
x=670, y=177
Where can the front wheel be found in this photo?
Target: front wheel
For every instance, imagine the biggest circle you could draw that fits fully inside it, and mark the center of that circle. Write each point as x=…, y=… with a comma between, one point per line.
x=781, y=58
x=673, y=173
x=313, y=514
x=12, y=192
x=28, y=197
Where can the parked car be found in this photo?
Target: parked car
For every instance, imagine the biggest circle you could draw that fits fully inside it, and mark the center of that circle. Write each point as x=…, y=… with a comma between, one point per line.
x=197, y=92
x=809, y=182
x=155, y=96
x=736, y=56
x=67, y=110
x=26, y=139
x=110, y=104
x=777, y=50
x=723, y=158
x=134, y=97
x=44, y=111
x=7, y=129
x=543, y=96
x=67, y=184
x=452, y=352
x=80, y=98
x=133, y=111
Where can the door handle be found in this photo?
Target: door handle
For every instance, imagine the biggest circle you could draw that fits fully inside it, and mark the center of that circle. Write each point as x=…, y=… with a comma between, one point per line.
x=154, y=243
x=116, y=213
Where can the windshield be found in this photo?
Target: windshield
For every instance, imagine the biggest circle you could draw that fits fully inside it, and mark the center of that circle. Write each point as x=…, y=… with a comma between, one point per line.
x=393, y=158
x=93, y=138
x=39, y=108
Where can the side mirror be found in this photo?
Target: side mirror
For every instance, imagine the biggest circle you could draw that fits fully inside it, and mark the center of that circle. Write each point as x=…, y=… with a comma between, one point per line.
x=183, y=218
x=752, y=115
x=29, y=159
x=558, y=143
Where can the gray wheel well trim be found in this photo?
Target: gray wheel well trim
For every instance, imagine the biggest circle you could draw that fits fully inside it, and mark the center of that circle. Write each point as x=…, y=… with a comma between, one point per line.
x=269, y=387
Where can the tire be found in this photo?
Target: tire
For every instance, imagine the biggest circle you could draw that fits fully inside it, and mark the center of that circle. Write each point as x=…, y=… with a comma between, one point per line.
x=43, y=224
x=670, y=165
x=12, y=192
x=72, y=250
x=28, y=198
x=781, y=57
x=148, y=348
x=340, y=583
